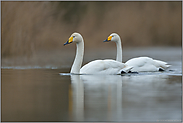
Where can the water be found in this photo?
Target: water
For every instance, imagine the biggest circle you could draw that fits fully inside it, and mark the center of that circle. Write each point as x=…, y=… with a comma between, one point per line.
x=42, y=94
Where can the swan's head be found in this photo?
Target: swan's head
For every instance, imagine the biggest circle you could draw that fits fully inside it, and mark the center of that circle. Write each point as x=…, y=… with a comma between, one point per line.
x=113, y=37
x=75, y=37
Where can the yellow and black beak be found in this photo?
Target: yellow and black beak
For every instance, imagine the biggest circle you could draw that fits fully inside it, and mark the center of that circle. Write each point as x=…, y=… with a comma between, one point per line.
x=69, y=41
x=108, y=39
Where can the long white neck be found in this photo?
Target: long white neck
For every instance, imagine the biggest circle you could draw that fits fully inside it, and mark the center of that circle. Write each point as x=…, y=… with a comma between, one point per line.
x=119, y=51
x=78, y=58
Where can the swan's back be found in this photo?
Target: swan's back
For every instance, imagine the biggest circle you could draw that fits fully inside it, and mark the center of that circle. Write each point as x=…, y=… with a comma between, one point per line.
x=103, y=67
x=162, y=64
x=146, y=64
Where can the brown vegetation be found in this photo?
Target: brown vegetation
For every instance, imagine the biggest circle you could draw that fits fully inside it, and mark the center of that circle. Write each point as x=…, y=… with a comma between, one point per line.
x=29, y=27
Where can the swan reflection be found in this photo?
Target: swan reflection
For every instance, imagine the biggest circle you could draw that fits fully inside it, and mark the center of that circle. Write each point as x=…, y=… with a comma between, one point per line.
x=103, y=93
x=125, y=98
x=78, y=97
x=151, y=98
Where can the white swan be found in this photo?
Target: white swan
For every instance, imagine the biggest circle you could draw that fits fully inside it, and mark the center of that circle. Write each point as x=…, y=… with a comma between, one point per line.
x=94, y=67
x=140, y=64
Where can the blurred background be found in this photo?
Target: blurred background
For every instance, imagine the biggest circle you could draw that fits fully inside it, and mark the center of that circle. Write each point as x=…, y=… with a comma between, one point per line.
x=34, y=32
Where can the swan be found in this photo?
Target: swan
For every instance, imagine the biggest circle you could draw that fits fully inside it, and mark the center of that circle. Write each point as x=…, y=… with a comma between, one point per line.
x=140, y=64
x=107, y=66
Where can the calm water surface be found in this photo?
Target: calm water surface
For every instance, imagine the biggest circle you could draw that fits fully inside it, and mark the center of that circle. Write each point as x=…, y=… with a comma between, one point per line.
x=45, y=95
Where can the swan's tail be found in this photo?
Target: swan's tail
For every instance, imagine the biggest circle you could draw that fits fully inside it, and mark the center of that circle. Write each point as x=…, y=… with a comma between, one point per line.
x=162, y=64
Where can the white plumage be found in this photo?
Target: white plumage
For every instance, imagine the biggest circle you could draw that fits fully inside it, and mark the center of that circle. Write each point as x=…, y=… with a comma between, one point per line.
x=104, y=67
x=94, y=67
x=140, y=64
x=145, y=64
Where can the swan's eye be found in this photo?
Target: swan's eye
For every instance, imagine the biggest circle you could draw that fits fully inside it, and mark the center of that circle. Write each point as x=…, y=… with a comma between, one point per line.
x=73, y=36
